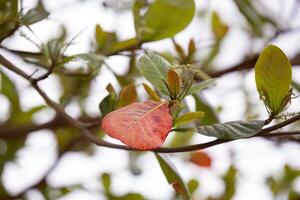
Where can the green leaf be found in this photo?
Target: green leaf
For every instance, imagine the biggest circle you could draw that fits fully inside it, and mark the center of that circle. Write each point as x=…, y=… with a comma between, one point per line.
x=273, y=76
x=106, y=181
x=35, y=15
x=164, y=19
x=210, y=115
x=188, y=117
x=127, y=95
x=172, y=176
x=109, y=103
x=230, y=183
x=232, y=130
x=154, y=68
x=200, y=86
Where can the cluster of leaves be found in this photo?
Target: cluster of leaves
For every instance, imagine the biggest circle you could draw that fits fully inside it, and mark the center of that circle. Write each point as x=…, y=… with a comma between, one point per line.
x=173, y=78
x=273, y=78
x=138, y=124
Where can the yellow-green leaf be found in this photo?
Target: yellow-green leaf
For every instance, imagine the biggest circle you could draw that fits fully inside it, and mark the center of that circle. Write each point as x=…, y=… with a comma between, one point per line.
x=219, y=28
x=273, y=76
x=152, y=94
x=100, y=36
x=188, y=117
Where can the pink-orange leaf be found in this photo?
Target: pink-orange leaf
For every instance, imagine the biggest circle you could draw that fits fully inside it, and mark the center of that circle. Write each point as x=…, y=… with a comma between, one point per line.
x=201, y=159
x=143, y=125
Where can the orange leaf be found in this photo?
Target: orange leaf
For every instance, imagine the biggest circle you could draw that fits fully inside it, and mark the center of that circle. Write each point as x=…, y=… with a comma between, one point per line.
x=201, y=159
x=174, y=82
x=143, y=125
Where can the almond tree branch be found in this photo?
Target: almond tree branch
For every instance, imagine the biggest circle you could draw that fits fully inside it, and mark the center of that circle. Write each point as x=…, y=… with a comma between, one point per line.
x=247, y=65
x=83, y=127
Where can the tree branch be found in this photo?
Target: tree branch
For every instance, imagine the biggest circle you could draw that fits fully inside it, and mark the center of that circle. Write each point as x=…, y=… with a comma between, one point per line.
x=248, y=64
x=9, y=132
x=91, y=137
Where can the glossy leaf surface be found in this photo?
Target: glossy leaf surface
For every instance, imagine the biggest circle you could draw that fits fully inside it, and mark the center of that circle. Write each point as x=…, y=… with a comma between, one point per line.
x=273, y=76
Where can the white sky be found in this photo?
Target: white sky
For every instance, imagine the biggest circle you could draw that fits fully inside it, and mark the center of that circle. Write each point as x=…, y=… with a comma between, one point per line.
x=255, y=158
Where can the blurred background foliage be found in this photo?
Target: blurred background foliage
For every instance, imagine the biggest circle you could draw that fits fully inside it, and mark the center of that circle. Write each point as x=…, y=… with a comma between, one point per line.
x=153, y=21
